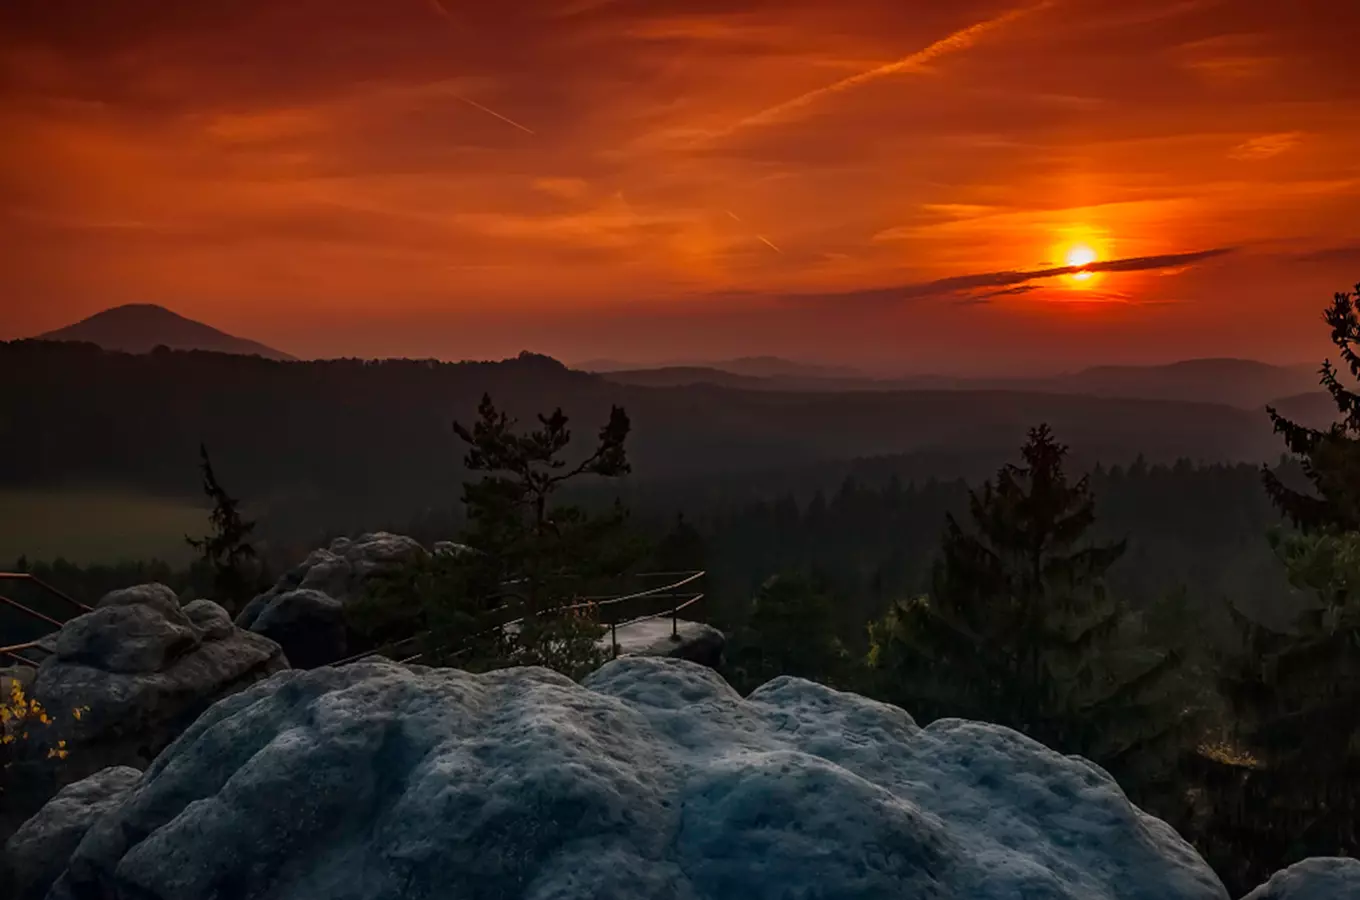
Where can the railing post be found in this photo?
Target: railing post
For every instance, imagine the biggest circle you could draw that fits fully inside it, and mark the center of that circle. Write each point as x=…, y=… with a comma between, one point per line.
x=675, y=622
x=614, y=634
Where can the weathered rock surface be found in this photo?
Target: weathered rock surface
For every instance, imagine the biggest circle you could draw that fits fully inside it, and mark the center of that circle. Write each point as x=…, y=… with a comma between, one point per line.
x=693, y=641
x=38, y=852
x=143, y=668
x=341, y=570
x=307, y=624
x=652, y=780
x=23, y=675
x=304, y=611
x=1322, y=878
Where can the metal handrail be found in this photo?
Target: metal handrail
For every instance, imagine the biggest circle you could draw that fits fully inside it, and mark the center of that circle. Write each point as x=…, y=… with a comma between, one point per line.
x=666, y=591
x=12, y=650
x=31, y=613
x=27, y=576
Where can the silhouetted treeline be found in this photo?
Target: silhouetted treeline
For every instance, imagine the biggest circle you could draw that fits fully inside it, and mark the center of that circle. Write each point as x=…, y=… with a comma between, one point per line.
x=1197, y=527
x=346, y=443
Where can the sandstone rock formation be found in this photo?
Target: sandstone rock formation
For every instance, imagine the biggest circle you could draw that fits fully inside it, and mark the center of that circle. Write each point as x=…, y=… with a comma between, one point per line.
x=38, y=853
x=145, y=668
x=1323, y=878
x=304, y=611
x=652, y=780
x=140, y=668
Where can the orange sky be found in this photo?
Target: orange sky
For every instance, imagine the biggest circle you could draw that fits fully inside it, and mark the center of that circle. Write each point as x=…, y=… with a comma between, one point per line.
x=868, y=182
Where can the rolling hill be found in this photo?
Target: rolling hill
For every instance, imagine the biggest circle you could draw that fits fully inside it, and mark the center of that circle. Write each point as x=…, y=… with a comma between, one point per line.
x=1241, y=383
x=745, y=366
x=372, y=440
x=141, y=327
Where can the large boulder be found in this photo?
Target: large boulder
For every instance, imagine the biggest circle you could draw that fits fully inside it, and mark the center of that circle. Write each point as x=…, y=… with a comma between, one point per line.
x=141, y=668
x=308, y=624
x=39, y=851
x=1321, y=878
x=651, y=780
x=341, y=570
x=304, y=611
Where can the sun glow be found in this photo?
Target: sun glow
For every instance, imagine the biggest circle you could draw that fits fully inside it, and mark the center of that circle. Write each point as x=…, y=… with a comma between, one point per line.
x=1078, y=256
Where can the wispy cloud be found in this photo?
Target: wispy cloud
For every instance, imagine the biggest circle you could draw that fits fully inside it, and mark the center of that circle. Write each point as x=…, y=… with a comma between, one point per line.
x=1266, y=146
x=987, y=297
x=1344, y=253
x=1007, y=282
x=963, y=39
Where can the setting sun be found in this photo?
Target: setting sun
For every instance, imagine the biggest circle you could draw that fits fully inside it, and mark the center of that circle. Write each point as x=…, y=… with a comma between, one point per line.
x=1078, y=256
x=1081, y=256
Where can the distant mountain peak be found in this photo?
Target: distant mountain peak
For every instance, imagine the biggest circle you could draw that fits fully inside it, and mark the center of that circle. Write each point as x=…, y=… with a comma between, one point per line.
x=142, y=327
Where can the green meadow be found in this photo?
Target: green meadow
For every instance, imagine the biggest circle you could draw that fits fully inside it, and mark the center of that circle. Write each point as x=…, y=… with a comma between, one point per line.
x=97, y=526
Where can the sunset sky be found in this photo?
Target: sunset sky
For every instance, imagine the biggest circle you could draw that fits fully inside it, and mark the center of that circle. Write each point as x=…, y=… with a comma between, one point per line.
x=897, y=184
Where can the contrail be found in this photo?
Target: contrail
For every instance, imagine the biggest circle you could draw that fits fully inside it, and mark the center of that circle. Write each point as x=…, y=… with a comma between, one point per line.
x=492, y=112
x=760, y=237
x=439, y=9
x=959, y=40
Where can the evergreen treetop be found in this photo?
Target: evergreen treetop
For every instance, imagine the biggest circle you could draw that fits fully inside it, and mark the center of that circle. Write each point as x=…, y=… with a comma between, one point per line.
x=227, y=551
x=1330, y=457
x=1018, y=628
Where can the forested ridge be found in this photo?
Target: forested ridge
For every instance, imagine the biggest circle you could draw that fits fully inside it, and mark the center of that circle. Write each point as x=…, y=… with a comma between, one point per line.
x=352, y=441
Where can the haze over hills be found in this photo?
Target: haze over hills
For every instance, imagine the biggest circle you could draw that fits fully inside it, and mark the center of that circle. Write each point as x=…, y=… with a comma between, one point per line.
x=1243, y=383
x=374, y=438
x=1247, y=384
x=747, y=366
x=141, y=327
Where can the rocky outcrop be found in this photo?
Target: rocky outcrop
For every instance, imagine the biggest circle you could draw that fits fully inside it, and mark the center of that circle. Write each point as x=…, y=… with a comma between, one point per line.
x=304, y=612
x=1323, y=878
x=308, y=624
x=693, y=641
x=142, y=668
x=651, y=780
x=340, y=571
x=38, y=852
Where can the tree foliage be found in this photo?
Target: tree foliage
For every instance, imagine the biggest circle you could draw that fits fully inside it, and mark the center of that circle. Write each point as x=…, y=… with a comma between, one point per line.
x=1330, y=457
x=1285, y=781
x=227, y=551
x=518, y=592
x=1294, y=687
x=1019, y=629
x=21, y=718
x=682, y=549
x=789, y=629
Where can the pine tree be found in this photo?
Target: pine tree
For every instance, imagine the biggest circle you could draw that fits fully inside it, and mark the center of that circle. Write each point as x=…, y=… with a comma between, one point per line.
x=1019, y=630
x=1294, y=690
x=510, y=512
x=1330, y=457
x=227, y=551
x=533, y=558
x=682, y=548
x=789, y=629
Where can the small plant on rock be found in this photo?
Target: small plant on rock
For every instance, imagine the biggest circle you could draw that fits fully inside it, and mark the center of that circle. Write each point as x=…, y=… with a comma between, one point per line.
x=21, y=717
